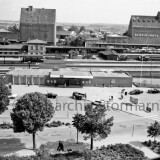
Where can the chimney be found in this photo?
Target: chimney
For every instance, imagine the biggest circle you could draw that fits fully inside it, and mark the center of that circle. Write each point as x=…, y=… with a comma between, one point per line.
x=30, y=8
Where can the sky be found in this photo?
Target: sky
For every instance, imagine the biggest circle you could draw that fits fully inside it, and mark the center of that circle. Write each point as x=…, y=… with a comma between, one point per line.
x=84, y=11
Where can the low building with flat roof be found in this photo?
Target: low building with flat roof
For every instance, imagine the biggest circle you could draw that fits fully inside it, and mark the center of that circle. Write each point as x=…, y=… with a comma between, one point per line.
x=69, y=77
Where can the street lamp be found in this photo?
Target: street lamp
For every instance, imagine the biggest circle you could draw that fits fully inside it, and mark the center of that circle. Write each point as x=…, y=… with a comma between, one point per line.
x=29, y=62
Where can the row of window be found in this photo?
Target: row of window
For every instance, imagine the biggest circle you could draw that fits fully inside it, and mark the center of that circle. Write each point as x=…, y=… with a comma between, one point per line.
x=36, y=48
x=146, y=35
x=144, y=20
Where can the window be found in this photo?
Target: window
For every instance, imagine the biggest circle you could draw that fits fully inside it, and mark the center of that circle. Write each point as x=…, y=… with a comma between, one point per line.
x=41, y=48
x=51, y=81
x=36, y=47
x=47, y=81
x=89, y=82
x=31, y=47
x=55, y=81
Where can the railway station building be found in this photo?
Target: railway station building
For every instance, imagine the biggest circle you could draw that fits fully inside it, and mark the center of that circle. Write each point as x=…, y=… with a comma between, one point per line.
x=68, y=77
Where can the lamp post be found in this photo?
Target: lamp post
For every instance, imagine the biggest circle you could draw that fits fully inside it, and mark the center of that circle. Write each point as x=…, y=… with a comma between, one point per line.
x=29, y=64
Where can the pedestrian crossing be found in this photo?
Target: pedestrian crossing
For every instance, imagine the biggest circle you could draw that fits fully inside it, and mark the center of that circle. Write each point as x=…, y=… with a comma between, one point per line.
x=153, y=117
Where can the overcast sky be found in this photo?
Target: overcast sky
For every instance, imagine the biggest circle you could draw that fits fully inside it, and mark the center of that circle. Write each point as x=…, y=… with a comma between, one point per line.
x=84, y=11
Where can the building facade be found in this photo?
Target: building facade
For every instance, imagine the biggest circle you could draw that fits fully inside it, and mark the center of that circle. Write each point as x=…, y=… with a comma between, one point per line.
x=36, y=47
x=144, y=29
x=68, y=77
x=38, y=24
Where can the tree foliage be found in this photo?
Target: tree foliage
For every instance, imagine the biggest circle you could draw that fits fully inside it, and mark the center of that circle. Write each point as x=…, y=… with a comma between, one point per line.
x=154, y=130
x=32, y=111
x=82, y=28
x=73, y=28
x=93, y=123
x=14, y=28
x=59, y=28
x=4, y=92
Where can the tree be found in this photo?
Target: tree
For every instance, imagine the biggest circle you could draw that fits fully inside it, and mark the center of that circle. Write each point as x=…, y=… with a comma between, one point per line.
x=125, y=33
x=4, y=92
x=78, y=121
x=73, y=28
x=14, y=28
x=31, y=113
x=93, y=123
x=154, y=130
x=59, y=28
x=82, y=28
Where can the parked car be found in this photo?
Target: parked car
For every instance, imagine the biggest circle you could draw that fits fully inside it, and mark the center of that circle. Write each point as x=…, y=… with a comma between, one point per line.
x=153, y=91
x=12, y=96
x=135, y=92
x=78, y=96
x=51, y=95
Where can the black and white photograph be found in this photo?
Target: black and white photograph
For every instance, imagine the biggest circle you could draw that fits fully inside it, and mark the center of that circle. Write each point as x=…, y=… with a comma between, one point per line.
x=79, y=79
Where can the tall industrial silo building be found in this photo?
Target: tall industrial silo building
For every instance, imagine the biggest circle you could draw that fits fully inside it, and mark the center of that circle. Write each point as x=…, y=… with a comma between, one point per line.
x=36, y=23
x=144, y=29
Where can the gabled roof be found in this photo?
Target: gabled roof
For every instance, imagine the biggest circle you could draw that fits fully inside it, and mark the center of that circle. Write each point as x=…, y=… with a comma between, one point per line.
x=36, y=41
x=37, y=15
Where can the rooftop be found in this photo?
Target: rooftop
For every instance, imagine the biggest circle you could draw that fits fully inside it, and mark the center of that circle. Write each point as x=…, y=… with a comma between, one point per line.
x=92, y=39
x=70, y=73
x=109, y=74
x=64, y=33
x=36, y=41
x=4, y=31
x=34, y=72
x=13, y=46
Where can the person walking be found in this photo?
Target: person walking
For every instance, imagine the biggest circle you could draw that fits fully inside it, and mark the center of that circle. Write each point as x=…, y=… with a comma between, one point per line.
x=60, y=146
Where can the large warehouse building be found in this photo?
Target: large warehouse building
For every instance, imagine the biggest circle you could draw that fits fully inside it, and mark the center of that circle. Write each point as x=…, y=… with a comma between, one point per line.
x=38, y=24
x=144, y=29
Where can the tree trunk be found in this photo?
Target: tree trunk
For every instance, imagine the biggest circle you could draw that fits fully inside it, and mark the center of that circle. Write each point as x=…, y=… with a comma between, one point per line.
x=91, y=142
x=34, y=141
x=77, y=136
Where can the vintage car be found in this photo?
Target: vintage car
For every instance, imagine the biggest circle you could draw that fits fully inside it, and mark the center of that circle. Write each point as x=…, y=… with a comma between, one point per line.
x=51, y=95
x=135, y=92
x=79, y=96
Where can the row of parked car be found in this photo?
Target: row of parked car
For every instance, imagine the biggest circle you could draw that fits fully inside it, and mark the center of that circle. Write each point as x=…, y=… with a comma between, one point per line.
x=150, y=91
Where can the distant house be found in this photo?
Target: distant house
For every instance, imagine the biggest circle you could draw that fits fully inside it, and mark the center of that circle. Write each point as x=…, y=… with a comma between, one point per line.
x=91, y=41
x=36, y=47
x=5, y=35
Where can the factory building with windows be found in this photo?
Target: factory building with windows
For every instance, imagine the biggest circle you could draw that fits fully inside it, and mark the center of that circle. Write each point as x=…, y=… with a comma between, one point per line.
x=144, y=29
x=38, y=23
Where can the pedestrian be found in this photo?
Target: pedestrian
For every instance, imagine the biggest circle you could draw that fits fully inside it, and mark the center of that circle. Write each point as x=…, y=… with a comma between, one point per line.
x=60, y=146
x=28, y=84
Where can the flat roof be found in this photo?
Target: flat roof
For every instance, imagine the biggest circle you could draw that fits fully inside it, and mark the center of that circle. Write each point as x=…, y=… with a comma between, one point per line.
x=70, y=73
x=33, y=72
x=13, y=46
x=109, y=74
